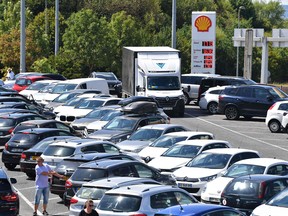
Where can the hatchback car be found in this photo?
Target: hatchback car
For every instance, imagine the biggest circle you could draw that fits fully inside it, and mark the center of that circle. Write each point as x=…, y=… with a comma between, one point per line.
x=142, y=137
x=95, y=190
x=24, y=140
x=245, y=193
x=182, y=152
x=23, y=82
x=206, y=166
x=108, y=168
x=210, y=98
x=249, y=100
x=275, y=115
x=212, y=191
x=9, y=199
x=164, y=142
x=143, y=199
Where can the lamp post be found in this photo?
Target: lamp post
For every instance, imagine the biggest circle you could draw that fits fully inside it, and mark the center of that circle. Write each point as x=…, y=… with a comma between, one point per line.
x=237, y=58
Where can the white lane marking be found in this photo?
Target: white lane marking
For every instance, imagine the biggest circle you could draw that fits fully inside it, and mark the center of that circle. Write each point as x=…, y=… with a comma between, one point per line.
x=28, y=188
x=266, y=143
x=27, y=201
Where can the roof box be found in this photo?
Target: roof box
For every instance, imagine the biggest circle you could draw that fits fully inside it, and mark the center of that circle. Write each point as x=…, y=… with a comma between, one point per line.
x=140, y=107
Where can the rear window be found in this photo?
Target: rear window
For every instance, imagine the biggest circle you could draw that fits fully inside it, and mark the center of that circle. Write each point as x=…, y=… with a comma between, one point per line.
x=4, y=185
x=21, y=82
x=59, y=151
x=23, y=127
x=37, y=86
x=25, y=138
x=243, y=187
x=5, y=122
x=191, y=79
x=95, y=193
x=120, y=203
x=88, y=174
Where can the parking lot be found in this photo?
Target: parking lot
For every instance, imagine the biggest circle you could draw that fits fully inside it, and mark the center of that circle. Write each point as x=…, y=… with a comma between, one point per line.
x=251, y=134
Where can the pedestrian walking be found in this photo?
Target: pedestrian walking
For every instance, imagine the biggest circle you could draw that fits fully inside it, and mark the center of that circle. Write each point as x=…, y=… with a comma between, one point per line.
x=88, y=210
x=43, y=172
x=10, y=74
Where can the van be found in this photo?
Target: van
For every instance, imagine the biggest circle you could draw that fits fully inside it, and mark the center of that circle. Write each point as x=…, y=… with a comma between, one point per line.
x=81, y=83
x=190, y=84
x=209, y=82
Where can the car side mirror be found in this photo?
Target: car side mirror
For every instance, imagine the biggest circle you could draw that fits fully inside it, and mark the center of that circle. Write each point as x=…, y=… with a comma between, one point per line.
x=13, y=180
x=285, y=113
x=139, y=89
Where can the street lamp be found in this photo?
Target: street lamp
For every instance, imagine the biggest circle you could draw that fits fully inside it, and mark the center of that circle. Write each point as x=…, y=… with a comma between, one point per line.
x=237, y=58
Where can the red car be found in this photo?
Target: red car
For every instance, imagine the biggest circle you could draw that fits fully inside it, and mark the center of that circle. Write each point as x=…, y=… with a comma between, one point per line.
x=23, y=82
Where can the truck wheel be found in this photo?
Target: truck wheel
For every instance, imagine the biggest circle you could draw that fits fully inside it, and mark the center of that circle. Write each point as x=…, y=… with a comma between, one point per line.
x=274, y=126
x=186, y=99
x=232, y=113
x=10, y=166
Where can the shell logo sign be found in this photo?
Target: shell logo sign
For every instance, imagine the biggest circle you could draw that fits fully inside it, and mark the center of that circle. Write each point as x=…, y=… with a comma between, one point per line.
x=203, y=23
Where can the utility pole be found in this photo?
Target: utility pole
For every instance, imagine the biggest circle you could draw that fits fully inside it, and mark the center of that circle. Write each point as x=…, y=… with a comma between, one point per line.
x=174, y=24
x=22, y=38
x=248, y=53
x=56, y=27
x=237, y=57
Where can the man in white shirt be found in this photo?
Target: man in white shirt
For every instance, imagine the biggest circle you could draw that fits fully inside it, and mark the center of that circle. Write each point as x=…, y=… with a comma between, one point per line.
x=10, y=74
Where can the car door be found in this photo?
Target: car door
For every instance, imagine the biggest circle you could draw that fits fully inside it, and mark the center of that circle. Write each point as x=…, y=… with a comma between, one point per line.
x=263, y=101
x=245, y=100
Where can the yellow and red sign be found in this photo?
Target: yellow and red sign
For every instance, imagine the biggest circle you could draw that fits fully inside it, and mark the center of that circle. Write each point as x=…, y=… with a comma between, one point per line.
x=203, y=23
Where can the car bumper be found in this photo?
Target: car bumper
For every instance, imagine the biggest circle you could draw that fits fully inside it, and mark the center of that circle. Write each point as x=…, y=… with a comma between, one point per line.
x=27, y=167
x=209, y=198
x=12, y=158
x=194, y=188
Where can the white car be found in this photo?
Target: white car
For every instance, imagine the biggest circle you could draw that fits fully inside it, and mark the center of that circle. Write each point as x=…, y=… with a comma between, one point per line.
x=207, y=166
x=212, y=191
x=164, y=142
x=182, y=152
x=276, y=206
x=209, y=99
x=274, y=117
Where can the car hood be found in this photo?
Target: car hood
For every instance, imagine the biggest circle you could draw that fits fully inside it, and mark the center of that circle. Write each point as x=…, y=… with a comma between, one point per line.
x=106, y=134
x=216, y=186
x=97, y=125
x=196, y=172
x=63, y=110
x=83, y=121
x=152, y=152
x=130, y=145
x=78, y=112
x=168, y=162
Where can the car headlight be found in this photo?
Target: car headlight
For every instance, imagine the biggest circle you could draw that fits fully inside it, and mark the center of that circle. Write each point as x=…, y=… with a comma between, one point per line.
x=208, y=178
x=137, y=150
x=116, y=139
x=204, y=189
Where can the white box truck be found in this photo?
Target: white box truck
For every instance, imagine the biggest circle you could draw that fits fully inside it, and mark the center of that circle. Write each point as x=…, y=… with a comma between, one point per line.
x=154, y=72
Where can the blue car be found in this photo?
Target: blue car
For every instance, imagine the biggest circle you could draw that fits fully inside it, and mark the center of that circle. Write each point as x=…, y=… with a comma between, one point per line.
x=198, y=209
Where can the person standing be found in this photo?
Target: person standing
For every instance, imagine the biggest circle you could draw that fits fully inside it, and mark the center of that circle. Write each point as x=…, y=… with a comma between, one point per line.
x=43, y=171
x=10, y=74
x=88, y=210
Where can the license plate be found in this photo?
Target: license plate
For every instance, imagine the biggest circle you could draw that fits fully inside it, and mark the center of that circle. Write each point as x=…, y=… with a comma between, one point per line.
x=17, y=150
x=167, y=108
x=214, y=199
x=65, y=178
x=184, y=185
x=34, y=157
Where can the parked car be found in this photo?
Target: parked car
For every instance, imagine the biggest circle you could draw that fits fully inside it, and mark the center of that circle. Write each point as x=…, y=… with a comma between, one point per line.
x=164, y=142
x=207, y=166
x=277, y=205
x=68, y=165
x=23, y=82
x=108, y=168
x=213, y=189
x=95, y=190
x=182, y=152
x=29, y=157
x=25, y=139
x=144, y=199
x=245, y=193
x=115, y=85
x=142, y=137
x=249, y=100
x=9, y=199
x=284, y=123
x=199, y=209
x=210, y=98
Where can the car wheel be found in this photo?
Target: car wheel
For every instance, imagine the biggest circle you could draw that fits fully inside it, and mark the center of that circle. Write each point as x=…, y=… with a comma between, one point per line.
x=212, y=107
x=232, y=113
x=274, y=126
x=10, y=166
x=186, y=99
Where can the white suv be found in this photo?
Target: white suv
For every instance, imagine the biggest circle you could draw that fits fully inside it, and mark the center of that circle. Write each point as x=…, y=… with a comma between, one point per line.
x=142, y=199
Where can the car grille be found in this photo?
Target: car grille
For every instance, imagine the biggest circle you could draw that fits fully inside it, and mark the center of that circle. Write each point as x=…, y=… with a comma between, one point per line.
x=62, y=118
x=90, y=131
x=167, y=101
x=191, y=190
x=70, y=118
x=186, y=179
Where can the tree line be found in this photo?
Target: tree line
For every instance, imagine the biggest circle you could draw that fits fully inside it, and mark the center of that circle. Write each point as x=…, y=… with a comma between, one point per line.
x=93, y=32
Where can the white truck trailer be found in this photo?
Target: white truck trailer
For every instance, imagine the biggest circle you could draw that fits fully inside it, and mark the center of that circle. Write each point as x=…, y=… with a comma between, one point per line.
x=154, y=72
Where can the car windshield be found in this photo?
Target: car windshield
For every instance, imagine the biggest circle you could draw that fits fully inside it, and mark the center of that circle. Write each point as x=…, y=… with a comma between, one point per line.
x=280, y=200
x=120, y=203
x=106, y=76
x=98, y=113
x=25, y=138
x=59, y=88
x=5, y=122
x=121, y=124
x=243, y=188
x=111, y=115
x=237, y=170
x=167, y=141
x=146, y=134
x=95, y=193
x=88, y=174
x=163, y=83
x=36, y=86
x=62, y=98
x=47, y=88
x=277, y=93
x=59, y=151
x=210, y=161
x=182, y=151
x=89, y=104
x=74, y=101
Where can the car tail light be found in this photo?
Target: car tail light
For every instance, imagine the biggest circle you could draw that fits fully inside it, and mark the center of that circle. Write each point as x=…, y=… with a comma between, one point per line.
x=271, y=107
x=261, y=190
x=25, y=133
x=220, y=97
x=10, y=197
x=23, y=156
x=6, y=146
x=10, y=130
x=73, y=201
x=68, y=184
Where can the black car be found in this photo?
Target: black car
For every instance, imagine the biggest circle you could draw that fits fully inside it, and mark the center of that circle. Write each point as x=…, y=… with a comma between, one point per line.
x=45, y=124
x=249, y=100
x=245, y=193
x=9, y=199
x=9, y=121
x=25, y=139
x=108, y=168
x=70, y=164
x=115, y=85
x=29, y=157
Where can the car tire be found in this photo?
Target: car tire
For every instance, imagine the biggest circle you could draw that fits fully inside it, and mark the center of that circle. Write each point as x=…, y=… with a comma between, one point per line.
x=274, y=126
x=10, y=166
x=212, y=107
x=231, y=113
x=186, y=99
